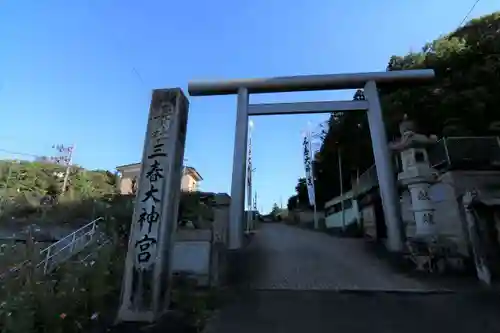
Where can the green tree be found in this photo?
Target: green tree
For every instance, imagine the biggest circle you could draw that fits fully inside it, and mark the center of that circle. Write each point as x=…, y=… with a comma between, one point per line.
x=462, y=100
x=301, y=193
x=275, y=210
x=292, y=202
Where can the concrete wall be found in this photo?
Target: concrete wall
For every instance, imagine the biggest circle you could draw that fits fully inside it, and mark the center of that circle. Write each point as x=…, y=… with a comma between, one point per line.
x=304, y=216
x=445, y=195
x=351, y=216
x=192, y=251
x=368, y=216
x=201, y=252
x=448, y=213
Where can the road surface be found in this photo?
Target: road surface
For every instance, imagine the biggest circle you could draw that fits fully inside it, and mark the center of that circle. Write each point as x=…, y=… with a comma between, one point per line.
x=286, y=257
x=304, y=281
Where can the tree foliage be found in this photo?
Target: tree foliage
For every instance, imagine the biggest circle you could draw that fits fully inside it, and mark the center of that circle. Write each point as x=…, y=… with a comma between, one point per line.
x=292, y=203
x=275, y=209
x=46, y=178
x=462, y=100
x=301, y=197
x=30, y=190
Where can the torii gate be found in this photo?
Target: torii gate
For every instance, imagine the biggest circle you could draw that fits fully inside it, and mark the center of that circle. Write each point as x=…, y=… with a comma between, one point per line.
x=146, y=281
x=368, y=81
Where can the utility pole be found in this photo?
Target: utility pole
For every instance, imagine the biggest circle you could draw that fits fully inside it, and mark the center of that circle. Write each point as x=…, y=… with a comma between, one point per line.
x=184, y=166
x=341, y=187
x=65, y=158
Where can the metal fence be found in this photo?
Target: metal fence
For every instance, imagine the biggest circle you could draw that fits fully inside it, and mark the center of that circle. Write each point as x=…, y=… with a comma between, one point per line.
x=476, y=153
x=68, y=246
x=64, y=249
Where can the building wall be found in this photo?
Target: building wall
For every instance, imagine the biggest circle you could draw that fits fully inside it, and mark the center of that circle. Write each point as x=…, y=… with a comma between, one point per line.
x=126, y=179
x=188, y=183
x=125, y=185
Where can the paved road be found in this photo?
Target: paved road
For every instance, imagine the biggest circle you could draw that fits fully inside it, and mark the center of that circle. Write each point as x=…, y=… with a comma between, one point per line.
x=281, y=311
x=285, y=257
x=304, y=281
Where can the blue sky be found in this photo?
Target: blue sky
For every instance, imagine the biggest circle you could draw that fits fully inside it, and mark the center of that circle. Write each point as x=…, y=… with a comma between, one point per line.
x=82, y=71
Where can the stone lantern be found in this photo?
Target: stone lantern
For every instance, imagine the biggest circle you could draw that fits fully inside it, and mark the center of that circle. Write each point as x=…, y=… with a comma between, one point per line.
x=417, y=175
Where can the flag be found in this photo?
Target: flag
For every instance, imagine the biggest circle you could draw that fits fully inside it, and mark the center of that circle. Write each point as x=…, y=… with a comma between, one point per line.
x=307, y=146
x=249, y=173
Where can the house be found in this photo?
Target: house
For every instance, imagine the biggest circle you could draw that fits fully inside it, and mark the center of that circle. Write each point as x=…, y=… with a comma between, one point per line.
x=130, y=173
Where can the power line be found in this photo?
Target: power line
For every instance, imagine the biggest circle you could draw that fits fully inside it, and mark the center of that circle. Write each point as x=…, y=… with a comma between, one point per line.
x=139, y=76
x=19, y=153
x=468, y=13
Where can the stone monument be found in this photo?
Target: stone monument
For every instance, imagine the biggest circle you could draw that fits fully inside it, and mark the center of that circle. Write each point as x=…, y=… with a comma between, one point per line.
x=417, y=175
x=147, y=275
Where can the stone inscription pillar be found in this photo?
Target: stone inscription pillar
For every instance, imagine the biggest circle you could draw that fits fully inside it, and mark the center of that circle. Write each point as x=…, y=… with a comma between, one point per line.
x=146, y=281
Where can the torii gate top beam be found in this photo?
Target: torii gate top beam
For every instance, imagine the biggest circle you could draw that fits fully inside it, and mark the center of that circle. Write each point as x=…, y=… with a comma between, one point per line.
x=307, y=82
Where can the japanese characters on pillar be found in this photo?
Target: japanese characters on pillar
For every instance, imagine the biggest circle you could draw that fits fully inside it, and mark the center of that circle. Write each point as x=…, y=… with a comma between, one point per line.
x=147, y=270
x=422, y=208
x=150, y=194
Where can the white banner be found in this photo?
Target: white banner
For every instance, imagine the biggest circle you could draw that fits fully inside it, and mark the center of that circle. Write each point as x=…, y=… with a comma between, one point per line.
x=308, y=167
x=249, y=174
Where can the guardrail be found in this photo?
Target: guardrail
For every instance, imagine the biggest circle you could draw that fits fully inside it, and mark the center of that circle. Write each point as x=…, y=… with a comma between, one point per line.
x=64, y=249
x=68, y=246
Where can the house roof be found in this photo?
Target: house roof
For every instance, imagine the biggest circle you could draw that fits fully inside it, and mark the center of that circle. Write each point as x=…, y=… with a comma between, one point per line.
x=127, y=166
x=194, y=173
x=190, y=170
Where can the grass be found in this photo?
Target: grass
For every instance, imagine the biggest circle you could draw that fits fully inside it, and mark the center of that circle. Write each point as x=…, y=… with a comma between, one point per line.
x=83, y=297
x=71, y=299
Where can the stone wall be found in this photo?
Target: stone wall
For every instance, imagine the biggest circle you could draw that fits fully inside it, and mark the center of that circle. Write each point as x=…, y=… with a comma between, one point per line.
x=445, y=195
